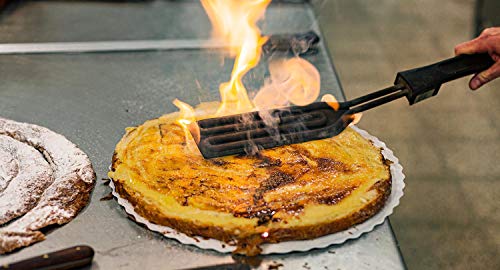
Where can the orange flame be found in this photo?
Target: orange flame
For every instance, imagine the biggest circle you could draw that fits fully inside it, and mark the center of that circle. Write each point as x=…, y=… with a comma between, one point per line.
x=293, y=80
x=302, y=78
x=235, y=22
x=187, y=121
x=331, y=100
x=355, y=118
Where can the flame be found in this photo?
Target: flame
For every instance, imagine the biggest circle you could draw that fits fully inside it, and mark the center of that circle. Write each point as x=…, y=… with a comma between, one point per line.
x=302, y=79
x=235, y=22
x=292, y=80
x=187, y=121
x=355, y=118
x=331, y=100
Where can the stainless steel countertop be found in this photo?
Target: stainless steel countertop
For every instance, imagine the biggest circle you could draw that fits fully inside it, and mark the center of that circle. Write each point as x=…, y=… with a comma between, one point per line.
x=90, y=98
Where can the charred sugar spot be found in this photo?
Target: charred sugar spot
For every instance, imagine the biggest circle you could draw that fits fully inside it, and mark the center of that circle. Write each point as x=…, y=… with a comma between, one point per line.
x=294, y=209
x=160, y=130
x=330, y=165
x=263, y=214
x=185, y=201
x=336, y=197
x=301, y=161
x=218, y=162
x=275, y=180
x=301, y=150
x=267, y=162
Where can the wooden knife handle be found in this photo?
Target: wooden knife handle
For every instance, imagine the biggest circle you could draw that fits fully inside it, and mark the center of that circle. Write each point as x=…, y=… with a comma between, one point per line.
x=64, y=259
x=228, y=266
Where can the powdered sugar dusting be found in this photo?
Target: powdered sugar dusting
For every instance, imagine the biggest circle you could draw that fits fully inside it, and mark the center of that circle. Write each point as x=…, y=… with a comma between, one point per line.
x=62, y=170
x=8, y=168
x=32, y=175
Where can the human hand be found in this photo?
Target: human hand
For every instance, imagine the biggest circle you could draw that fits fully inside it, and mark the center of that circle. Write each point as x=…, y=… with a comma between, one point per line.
x=487, y=42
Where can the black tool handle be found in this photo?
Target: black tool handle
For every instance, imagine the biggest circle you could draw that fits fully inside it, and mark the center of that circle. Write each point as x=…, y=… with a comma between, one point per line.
x=68, y=258
x=425, y=81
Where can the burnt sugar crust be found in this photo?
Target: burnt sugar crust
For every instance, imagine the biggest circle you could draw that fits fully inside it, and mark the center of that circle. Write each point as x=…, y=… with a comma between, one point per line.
x=293, y=192
x=250, y=245
x=44, y=180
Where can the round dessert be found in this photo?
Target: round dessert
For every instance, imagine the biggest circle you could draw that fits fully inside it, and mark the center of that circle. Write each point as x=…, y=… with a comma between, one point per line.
x=44, y=180
x=292, y=192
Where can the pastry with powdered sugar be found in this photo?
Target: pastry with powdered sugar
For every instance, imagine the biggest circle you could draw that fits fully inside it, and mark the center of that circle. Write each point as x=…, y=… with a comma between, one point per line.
x=44, y=180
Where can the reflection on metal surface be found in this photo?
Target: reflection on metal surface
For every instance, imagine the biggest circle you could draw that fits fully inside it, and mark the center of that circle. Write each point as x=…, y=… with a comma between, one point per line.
x=296, y=43
x=110, y=46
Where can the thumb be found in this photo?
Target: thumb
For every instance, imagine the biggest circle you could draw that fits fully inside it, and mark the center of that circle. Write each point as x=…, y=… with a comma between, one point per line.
x=485, y=76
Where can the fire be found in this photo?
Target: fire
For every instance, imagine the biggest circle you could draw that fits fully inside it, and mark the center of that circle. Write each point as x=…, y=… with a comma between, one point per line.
x=235, y=22
x=356, y=118
x=187, y=120
x=331, y=100
x=292, y=80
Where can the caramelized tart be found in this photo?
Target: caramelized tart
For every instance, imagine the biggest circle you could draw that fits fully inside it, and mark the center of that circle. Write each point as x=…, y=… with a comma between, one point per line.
x=292, y=192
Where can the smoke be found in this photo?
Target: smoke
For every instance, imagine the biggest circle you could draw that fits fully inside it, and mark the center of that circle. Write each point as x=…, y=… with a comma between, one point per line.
x=292, y=81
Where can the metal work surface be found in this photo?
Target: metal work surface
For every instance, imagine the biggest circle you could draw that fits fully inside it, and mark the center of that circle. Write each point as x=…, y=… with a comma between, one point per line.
x=75, y=21
x=91, y=98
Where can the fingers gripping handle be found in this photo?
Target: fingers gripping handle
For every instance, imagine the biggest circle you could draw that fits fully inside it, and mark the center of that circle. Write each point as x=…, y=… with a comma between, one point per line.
x=424, y=82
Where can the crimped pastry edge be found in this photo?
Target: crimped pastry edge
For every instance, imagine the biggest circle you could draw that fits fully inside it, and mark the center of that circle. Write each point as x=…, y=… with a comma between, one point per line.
x=247, y=245
x=250, y=245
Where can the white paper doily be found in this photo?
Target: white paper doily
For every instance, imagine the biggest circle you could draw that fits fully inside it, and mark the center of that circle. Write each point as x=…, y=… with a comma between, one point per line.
x=302, y=245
